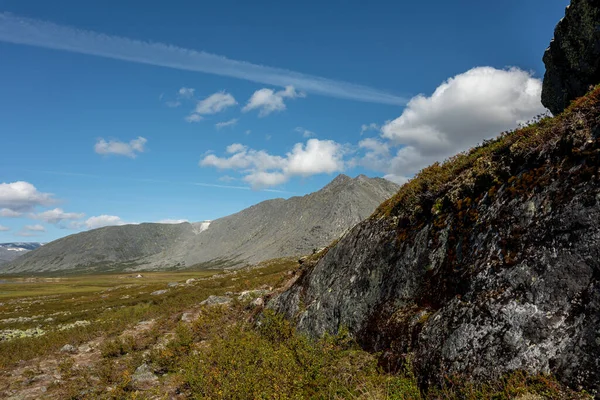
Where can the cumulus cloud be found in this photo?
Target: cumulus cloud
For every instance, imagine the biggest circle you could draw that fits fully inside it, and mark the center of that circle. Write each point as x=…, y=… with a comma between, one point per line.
x=369, y=127
x=193, y=117
x=224, y=124
x=35, y=228
x=56, y=216
x=186, y=93
x=116, y=147
x=103, y=220
x=31, y=230
x=268, y=101
x=317, y=157
x=8, y=213
x=462, y=112
x=262, y=169
x=20, y=196
x=4, y=228
x=305, y=132
x=215, y=103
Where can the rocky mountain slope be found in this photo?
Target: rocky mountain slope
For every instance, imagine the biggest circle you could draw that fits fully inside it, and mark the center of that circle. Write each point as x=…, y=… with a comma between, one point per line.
x=274, y=228
x=10, y=251
x=485, y=264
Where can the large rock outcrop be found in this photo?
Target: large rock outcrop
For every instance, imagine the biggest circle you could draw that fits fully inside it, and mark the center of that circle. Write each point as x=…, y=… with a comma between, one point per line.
x=573, y=58
x=486, y=264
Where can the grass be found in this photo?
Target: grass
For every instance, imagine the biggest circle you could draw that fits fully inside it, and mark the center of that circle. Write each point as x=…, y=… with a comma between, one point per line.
x=111, y=303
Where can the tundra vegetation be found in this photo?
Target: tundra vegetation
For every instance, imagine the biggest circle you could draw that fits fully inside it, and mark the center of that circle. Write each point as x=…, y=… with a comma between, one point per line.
x=157, y=336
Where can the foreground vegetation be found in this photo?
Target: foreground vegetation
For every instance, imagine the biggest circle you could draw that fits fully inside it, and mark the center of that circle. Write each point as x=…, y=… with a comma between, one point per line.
x=136, y=344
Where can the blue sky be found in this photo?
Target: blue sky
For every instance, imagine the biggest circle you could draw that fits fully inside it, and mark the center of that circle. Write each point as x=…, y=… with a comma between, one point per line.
x=126, y=112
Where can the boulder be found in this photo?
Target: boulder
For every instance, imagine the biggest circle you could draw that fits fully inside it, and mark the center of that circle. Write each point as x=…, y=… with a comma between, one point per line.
x=143, y=377
x=68, y=348
x=216, y=300
x=497, y=269
x=573, y=58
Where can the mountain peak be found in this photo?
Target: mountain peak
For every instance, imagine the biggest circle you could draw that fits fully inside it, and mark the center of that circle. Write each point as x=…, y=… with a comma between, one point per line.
x=341, y=179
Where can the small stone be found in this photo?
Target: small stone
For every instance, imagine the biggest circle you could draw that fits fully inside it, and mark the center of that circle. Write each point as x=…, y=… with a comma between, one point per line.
x=159, y=292
x=143, y=377
x=216, y=300
x=258, y=302
x=68, y=348
x=191, y=280
x=187, y=317
x=173, y=284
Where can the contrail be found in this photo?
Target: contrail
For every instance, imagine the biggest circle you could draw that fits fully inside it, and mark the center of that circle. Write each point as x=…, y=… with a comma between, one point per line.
x=213, y=185
x=31, y=32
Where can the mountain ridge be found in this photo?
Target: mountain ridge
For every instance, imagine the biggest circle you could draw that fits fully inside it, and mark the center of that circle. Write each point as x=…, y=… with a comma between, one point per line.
x=270, y=229
x=12, y=250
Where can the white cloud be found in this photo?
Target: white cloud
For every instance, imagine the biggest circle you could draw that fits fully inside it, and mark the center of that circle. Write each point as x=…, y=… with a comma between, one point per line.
x=17, y=197
x=193, y=117
x=38, y=33
x=268, y=101
x=305, y=132
x=8, y=213
x=121, y=148
x=236, y=148
x=262, y=169
x=224, y=124
x=262, y=179
x=172, y=221
x=103, y=220
x=34, y=228
x=399, y=180
x=462, y=112
x=243, y=158
x=56, y=216
x=317, y=157
x=369, y=127
x=4, y=228
x=248, y=132
x=215, y=103
x=186, y=93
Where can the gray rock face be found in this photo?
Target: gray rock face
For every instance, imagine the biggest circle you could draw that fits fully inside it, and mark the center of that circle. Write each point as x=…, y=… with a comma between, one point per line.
x=573, y=58
x=501, y=278
x=271, y=229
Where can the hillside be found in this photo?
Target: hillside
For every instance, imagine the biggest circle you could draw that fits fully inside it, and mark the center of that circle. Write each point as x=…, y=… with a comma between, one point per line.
x=274, y=228
x=482, y=265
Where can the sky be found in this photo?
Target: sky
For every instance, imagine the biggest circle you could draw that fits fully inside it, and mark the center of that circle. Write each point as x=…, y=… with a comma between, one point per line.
x=119, y=112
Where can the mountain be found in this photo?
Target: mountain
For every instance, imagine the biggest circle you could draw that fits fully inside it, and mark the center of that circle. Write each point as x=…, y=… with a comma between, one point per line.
x=10, y=251
x=485, y=264
x=273, y=228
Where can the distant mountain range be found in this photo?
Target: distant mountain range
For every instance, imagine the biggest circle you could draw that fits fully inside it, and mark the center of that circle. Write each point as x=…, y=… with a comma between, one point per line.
x=10, y=251
x=273, y=228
